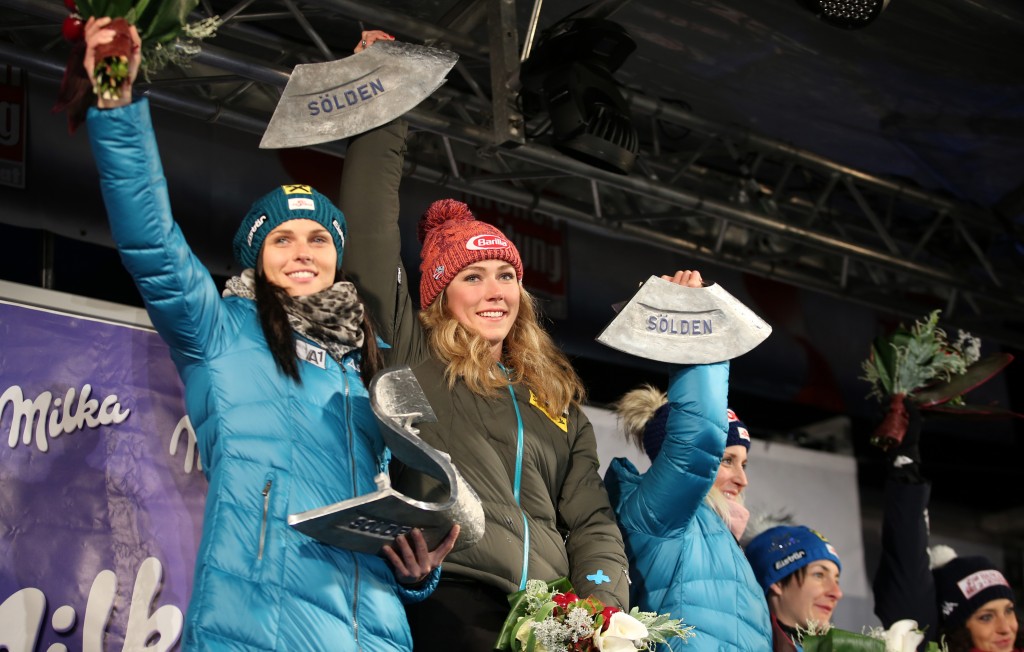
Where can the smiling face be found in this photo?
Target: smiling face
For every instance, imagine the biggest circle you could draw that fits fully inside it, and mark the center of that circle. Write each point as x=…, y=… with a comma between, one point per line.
x=299, y=256
x=993, y=626
x=484, y=297
x=732, y=472
x=797, y=602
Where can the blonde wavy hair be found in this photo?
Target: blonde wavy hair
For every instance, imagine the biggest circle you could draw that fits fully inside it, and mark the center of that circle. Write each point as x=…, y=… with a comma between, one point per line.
x=528, y=353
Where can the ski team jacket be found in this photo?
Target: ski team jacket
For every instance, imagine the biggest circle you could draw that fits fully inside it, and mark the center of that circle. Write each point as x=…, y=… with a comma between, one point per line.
x=269, y=447
x=683, y=558
x=559, y=522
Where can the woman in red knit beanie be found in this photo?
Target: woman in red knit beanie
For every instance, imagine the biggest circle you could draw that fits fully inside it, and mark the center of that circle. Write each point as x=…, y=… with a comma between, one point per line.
x=507, y=403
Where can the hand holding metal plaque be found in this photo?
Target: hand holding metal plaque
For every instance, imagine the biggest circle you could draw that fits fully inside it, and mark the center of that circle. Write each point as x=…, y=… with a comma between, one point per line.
x=683, y=325
x=336, y=99
x=367, y=522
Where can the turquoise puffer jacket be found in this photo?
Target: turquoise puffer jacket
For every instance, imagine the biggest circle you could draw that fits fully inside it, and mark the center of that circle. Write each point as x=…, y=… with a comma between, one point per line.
x=269, y=446
x=683, y=558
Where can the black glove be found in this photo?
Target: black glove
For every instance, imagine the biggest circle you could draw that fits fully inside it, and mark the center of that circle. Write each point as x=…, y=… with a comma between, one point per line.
x=905, y=459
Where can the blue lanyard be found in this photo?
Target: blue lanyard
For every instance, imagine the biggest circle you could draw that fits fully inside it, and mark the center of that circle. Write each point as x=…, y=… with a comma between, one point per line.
x=518, y=481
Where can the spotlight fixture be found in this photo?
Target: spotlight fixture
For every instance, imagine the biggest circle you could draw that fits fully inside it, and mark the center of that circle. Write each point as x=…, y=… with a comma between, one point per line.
x=848, y=14
x=571, y=71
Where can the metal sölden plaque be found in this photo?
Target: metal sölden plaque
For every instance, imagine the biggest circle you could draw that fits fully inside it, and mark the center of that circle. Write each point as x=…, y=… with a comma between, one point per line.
x=328, y=101
x=667, y=322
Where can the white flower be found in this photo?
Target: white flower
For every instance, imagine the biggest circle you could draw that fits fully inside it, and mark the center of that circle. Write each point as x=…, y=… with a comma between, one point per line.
x=623, y=634
x=903, y=636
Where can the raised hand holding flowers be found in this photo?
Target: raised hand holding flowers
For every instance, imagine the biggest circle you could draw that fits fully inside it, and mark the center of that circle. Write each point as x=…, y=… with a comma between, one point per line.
x=113, y=55
x=922, y=365
x=146, y=35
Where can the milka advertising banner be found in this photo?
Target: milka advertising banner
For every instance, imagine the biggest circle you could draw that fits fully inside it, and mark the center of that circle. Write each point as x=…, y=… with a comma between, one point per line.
x=101, y=489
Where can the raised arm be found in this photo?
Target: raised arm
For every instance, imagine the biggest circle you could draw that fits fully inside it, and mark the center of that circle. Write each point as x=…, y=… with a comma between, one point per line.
x=670, y=492
x=180, y=295
x=903, y=585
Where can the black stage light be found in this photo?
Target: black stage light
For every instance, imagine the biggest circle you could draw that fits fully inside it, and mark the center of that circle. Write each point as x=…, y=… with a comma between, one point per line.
x=571, y=71
x=848, y=14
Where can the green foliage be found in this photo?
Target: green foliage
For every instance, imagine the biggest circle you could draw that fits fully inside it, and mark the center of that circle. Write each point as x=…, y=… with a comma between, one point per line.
x=158, y=21
x=910, y=360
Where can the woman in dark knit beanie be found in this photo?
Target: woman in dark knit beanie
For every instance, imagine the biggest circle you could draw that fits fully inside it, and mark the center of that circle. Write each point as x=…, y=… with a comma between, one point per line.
x=964, y=601
x=976, y=605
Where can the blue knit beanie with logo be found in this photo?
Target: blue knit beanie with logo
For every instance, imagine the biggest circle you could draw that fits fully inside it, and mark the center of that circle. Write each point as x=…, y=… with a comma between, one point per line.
x=290, y=202
x=780, y=551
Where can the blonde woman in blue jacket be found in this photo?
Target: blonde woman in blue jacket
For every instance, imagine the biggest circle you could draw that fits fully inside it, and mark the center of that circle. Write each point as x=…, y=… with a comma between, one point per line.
x=681, y=519
x=278, y=433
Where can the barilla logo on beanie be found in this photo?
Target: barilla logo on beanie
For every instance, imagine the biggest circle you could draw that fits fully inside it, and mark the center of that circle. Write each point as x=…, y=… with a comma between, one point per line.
x=975, y=583
x=485, y=242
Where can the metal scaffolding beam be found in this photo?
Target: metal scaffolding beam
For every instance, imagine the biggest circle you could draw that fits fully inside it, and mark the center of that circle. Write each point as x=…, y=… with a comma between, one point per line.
x=723, y=194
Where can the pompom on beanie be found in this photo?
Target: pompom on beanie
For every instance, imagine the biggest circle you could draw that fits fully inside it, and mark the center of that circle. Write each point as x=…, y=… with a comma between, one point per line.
x=453, y=238
x=284, y=203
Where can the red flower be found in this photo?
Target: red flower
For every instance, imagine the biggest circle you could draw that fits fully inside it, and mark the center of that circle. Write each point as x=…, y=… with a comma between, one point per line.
x=72, y=28
x=607, y=614
x=563, y=600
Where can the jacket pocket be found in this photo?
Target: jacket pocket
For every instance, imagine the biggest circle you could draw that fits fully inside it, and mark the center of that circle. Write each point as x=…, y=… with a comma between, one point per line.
x=263, y=521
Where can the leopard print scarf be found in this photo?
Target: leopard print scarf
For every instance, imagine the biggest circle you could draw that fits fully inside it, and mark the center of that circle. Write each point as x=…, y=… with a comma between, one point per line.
x=331, y=318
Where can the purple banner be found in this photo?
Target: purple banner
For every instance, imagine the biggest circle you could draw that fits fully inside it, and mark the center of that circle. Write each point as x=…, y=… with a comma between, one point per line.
x=101, y=490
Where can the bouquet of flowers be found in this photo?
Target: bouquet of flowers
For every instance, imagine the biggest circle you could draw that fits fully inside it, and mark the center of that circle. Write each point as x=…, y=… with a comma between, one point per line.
x=902, y=636
x=923, y=365
x=549, y=617
x=167, y=37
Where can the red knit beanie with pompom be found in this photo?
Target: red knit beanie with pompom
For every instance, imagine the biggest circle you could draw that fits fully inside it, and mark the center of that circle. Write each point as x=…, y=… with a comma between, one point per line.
x=452, y=238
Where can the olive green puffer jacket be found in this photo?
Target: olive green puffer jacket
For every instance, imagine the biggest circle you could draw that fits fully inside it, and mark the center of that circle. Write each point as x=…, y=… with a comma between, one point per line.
x=562, y=523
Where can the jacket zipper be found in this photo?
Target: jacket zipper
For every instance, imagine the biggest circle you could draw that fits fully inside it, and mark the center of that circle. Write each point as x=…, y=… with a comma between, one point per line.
x=263, y=525
x=518, y=480
x=355, y=489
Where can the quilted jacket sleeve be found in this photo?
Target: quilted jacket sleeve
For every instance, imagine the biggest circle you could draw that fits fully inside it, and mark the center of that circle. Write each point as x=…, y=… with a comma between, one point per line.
x=369, y=199
x=670, y=492
x=904, y=586
x=181, y=298
x=597, y=558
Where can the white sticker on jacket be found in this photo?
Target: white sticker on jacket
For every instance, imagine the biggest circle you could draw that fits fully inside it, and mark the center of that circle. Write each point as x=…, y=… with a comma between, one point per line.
x=311, y=353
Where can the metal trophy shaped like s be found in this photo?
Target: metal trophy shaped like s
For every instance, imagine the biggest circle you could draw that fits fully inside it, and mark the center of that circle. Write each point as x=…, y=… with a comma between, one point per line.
x=329, y=101
x=367, y=522
x=668, y=322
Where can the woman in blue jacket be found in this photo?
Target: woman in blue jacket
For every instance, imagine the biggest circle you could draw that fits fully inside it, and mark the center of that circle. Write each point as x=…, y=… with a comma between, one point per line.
x=274, y=374
x=682, y=518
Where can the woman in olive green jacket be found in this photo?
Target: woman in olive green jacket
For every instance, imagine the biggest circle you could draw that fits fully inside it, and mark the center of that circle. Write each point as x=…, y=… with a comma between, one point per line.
x=507, y=403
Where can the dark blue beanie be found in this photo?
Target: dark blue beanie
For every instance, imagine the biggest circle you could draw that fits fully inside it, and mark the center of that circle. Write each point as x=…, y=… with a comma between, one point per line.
x=738, y=435
x=654, y=431
x=964, y=585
